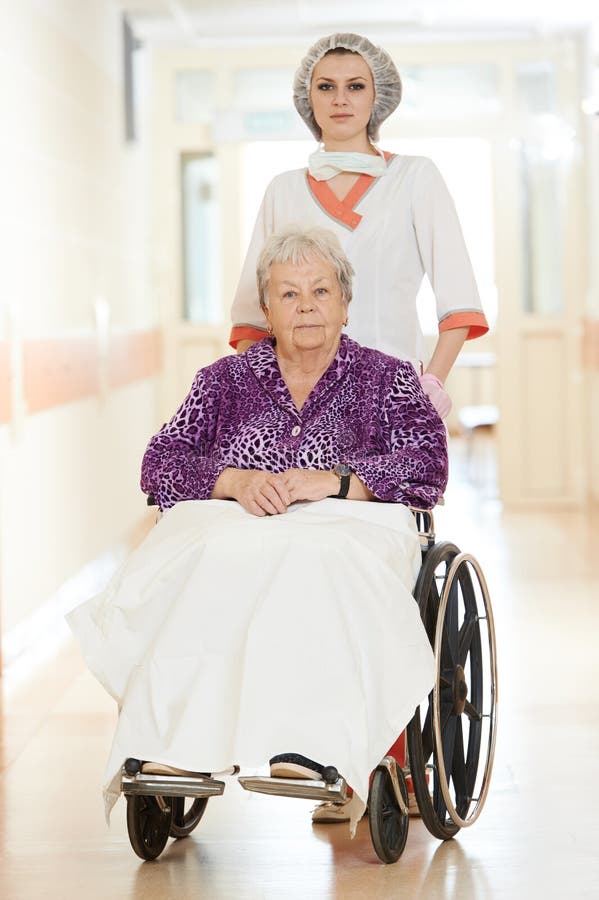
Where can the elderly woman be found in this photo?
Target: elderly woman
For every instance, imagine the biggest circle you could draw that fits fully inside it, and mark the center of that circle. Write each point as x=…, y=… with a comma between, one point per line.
x=242, y=629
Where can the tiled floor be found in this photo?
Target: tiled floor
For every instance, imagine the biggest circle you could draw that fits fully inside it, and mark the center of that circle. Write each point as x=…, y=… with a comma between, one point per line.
x=537, y=837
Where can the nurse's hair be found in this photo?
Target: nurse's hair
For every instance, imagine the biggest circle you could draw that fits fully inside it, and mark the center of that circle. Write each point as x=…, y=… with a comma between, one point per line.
x=387, y=83
x=297, y=245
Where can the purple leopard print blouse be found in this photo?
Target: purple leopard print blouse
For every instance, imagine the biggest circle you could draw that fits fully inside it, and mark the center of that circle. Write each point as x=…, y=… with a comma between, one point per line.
x=367, y=410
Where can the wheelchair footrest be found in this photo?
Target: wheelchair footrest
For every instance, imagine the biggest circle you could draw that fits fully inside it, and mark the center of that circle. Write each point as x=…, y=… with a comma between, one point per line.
x=171, y=786
x=296, y=787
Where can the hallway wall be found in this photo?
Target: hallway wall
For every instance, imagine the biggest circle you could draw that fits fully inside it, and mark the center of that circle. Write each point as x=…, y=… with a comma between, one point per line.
x=591, y=329
x=80, y=350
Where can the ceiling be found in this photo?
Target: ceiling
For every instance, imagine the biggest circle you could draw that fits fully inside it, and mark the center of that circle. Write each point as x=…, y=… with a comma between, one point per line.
x=218, y=22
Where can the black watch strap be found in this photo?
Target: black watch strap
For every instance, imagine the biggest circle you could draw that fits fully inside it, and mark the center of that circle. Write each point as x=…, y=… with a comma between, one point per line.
x=343, y=487
x=343, y=473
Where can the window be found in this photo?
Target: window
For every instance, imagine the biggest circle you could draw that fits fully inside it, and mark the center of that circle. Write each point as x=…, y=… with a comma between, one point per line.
x=544, y=151
x=195, y=93
x=201, y=244
x=450, y=90
x=263, y=88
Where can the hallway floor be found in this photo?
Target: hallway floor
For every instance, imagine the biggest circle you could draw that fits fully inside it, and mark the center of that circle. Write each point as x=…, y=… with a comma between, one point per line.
x=538, y=835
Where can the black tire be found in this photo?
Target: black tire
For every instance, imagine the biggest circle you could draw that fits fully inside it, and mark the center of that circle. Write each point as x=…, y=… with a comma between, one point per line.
x=388, y=825
x=148, y=825
x=461, y=722
x=183, y=822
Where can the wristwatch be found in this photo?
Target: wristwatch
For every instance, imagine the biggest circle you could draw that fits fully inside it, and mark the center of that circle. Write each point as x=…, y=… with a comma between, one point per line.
x=343, y=473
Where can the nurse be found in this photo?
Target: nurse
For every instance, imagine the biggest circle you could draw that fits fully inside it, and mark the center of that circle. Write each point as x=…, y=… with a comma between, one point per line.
x=393, y=215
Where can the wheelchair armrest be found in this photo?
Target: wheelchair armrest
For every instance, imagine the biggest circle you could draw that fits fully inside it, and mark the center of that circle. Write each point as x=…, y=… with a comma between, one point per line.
x=425, y=524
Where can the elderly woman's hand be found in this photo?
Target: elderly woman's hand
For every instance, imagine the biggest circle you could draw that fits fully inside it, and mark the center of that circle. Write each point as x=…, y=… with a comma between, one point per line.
x=260, y=493
x=308, y=484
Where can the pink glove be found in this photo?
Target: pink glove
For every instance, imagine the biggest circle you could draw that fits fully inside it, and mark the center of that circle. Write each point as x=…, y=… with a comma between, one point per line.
x=437, y=394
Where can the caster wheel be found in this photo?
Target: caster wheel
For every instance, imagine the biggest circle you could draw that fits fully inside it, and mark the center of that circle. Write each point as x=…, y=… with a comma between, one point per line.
x=148, y=824
x=184, y=821
x=388, y=825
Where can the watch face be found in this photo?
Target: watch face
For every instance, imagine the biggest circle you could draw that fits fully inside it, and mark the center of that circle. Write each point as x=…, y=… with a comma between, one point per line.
x=341, y=469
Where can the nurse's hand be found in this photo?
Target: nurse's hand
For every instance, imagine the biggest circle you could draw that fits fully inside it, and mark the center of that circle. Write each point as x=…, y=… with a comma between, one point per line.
x=436, y=393
x=260, y=493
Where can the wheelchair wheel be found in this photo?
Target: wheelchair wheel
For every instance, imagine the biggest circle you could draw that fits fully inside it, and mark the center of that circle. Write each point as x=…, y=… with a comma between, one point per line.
x=388, y=825
x=148, y=824
x=183, y=822
x=455, y=743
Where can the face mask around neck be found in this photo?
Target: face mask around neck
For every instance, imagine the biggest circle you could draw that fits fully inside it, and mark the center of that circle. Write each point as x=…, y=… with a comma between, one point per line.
x=325, y=164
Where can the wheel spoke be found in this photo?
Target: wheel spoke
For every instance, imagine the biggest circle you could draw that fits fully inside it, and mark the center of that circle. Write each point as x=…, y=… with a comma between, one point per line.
x=427, y=734
x=445, y=709
x=439, y=802
x=449, y=648
x=473, y=714
x=432, y=609
x=448, y=741
x=447, y=660
x=465, y=636
x=144, y=816
x=458, y=764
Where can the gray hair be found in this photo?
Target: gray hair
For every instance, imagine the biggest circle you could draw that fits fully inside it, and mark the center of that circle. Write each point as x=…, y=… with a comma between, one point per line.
x=387, y=83
x=298, y=245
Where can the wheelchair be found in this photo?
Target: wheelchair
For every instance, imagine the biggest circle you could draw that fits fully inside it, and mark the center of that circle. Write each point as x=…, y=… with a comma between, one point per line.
x=450, y=739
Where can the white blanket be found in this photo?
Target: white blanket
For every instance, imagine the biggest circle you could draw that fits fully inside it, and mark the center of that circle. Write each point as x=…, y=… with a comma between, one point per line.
x=227, y=638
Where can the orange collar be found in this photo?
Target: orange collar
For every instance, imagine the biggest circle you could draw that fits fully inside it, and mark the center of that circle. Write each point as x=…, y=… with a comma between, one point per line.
x=342, y=210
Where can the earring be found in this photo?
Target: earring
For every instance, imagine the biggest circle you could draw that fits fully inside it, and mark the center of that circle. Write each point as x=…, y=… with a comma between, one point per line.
x=269, y=329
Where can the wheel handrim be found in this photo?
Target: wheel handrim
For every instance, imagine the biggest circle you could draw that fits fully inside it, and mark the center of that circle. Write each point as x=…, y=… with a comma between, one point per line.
x=450, y=697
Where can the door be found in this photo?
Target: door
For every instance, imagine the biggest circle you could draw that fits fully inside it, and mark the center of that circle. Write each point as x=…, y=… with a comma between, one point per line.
x=541, y=283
